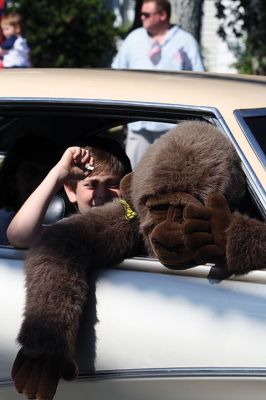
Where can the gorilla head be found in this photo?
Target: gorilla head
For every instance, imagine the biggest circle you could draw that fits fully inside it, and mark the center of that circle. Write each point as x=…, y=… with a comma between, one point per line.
x=185, y=166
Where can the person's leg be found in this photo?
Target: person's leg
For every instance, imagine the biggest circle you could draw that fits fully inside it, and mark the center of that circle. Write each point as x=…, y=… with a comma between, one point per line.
x=136, y=145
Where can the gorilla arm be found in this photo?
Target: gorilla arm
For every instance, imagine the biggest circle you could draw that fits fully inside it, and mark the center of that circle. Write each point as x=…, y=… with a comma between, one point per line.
x=246, y=244
x=57, y=283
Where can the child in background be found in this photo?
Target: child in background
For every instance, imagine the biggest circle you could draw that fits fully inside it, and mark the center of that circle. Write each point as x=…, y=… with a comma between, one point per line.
x=14, y=51
x=90, y=176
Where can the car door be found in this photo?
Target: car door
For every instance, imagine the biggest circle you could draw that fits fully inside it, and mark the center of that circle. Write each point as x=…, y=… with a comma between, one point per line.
x=148, y=331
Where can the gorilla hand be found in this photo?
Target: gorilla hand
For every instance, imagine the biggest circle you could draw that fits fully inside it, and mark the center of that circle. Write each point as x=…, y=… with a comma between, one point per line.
x=37, y=378
x=205, y=229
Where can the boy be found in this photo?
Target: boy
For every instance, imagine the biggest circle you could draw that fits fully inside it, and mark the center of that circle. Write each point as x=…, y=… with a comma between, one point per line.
x=90, y=177
x=14, y=51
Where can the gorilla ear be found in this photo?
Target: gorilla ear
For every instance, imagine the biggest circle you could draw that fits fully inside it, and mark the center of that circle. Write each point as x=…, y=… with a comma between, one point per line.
x=125, y=186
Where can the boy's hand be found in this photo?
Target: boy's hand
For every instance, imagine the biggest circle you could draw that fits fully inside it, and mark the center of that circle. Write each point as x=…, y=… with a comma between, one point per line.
x=205, y=229
x=73, y=163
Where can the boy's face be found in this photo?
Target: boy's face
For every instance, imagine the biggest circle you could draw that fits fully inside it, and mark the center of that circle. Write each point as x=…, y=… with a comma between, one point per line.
x=8, y=30
x=94, y=191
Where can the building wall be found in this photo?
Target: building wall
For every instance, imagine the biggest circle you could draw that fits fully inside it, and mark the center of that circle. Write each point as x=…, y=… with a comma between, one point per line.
x=217, y=56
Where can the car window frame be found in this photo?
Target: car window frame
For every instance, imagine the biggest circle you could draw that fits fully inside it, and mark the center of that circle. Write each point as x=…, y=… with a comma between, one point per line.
x=255, y=186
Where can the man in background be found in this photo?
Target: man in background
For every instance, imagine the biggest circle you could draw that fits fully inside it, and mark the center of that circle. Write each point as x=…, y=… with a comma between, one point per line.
x=159, y=46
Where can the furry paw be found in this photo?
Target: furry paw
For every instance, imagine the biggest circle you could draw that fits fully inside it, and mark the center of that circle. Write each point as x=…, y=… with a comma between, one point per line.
x=205, y=229
x=37, y=378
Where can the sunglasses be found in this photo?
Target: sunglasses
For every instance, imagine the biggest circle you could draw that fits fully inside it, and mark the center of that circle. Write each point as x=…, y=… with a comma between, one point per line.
x=148, y=14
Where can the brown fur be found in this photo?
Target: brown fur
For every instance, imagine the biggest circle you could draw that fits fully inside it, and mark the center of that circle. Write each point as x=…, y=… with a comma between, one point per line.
x=193, y=158
x=246, y=244
x=56, y=274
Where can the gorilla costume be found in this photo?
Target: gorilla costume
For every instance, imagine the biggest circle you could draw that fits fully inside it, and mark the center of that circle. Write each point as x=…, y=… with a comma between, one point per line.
x=181, y=205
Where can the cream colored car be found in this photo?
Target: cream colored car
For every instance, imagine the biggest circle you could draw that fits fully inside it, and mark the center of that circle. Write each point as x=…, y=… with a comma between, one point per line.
x=150, y=332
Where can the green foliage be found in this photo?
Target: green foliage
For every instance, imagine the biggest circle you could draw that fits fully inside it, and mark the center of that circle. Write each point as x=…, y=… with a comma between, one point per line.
x=245, y=19
x=77, y=33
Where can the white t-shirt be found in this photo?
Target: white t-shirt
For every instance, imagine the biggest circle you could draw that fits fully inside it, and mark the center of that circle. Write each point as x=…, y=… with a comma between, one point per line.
x=18, y=55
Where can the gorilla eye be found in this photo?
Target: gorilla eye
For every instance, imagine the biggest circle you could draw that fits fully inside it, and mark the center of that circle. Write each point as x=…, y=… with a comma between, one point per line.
x=159, y=208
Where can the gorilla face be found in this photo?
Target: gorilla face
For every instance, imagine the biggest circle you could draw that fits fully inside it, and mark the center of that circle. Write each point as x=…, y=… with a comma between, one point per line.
x=162, y=225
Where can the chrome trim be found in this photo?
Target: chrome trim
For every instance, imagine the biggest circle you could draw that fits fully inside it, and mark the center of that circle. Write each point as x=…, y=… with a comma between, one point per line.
x=6, y=382
x=152, y=265
x=165, y=373
x=174, y=373
x=100, y=102
x=256, y=186
x=10, y=253
x=52, y=100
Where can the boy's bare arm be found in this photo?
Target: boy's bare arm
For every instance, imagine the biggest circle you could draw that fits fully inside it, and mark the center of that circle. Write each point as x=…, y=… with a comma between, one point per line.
x=27, y=223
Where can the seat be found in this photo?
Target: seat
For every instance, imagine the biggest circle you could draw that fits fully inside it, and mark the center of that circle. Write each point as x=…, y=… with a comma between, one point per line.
x=55, y=211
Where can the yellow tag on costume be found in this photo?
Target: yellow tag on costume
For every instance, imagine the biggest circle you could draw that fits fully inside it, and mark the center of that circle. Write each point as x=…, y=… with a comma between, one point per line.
x=129, y=213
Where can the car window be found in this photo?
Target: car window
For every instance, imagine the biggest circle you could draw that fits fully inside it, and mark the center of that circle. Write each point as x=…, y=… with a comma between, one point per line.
x=257, y=126
x=71, y=127
x=253, y=124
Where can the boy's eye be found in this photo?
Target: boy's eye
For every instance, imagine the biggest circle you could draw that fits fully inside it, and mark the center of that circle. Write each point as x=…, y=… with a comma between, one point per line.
x=114, y=186
x=91, y=185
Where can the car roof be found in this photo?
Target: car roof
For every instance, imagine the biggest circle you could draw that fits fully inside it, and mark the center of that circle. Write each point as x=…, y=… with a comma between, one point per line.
x=166, y=87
